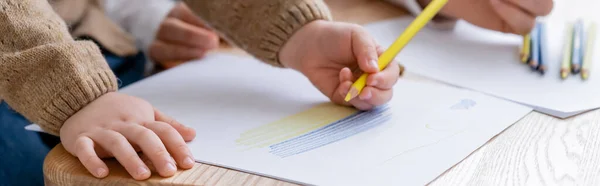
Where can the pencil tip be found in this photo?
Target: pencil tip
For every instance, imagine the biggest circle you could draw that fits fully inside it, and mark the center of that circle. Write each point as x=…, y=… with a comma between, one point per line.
x=351, y=94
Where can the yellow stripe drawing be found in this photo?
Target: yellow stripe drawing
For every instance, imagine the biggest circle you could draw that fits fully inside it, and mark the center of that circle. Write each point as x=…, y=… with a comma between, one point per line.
x=294, y=125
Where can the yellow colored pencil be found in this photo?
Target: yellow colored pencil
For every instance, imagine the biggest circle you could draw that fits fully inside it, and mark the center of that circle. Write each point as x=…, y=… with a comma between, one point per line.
x=565, y=68
x=526, y=48
x=587, y=60
x=388, y=56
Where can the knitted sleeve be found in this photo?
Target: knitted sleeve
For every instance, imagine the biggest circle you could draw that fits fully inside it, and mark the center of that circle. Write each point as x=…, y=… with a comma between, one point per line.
x=44, y=74
x=260, y=27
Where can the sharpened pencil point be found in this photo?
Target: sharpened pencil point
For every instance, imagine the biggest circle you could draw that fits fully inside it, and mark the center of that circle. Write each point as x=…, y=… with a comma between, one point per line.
x=351, y=94
x=584, y=75
x=575, y=69
x=564, y=74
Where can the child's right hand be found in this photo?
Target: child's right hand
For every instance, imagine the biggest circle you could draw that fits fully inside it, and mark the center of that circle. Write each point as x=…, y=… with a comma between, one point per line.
x=116, y=125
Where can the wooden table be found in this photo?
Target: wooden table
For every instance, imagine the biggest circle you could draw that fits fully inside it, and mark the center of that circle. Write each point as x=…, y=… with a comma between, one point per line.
x=537, y=150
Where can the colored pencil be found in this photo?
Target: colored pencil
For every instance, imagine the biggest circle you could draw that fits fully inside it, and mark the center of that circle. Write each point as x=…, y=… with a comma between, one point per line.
x=535, y=48
x=543, y=42
x=565, y=67
x=577, y=47
x=526, y=48
x=420, y=21
x=587, y=61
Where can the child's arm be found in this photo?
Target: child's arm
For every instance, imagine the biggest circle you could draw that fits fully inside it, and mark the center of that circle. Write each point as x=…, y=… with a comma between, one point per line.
x=260, y=27
x=67, y=87
x=44, y=74
x=300, y=35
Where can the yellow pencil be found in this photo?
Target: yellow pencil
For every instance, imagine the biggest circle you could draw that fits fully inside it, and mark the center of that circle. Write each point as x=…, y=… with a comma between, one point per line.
x=388, y=56
x=565, y=68
x=587, y=61
x=526, y=48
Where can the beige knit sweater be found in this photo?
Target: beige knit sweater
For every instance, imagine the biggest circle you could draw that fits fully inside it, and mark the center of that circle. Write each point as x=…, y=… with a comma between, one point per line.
x=47, y=76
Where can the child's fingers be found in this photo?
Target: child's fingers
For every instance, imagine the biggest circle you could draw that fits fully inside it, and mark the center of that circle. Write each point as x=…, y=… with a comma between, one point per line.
x=356, y=102
x=345, y=74
x=377, y=97
x=119, y=147
x=187, y=133
x=365, y=50
x=152, y=146
x=379, y=49
x=342, y=90
x=183, y=12
x=176, y=31
x=518, y=21
x=385, y=79
x=174, y=143
x=360, y=104
x=166, y=52
x=84, y=150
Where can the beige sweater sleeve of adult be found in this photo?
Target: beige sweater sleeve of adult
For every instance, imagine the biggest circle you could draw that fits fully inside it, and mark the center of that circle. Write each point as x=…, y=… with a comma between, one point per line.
x=45, y=74
x=260, y=27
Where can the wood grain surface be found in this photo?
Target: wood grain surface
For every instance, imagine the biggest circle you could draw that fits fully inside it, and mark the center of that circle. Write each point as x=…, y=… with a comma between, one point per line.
x=537, y=150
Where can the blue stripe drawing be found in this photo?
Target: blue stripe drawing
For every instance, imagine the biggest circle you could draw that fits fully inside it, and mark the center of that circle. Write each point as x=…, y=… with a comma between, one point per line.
x=339, y=130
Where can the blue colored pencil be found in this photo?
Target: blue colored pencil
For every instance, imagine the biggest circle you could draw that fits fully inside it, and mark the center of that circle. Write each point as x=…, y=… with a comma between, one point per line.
x=578, y=40
x=543, y=42
x=535, y=48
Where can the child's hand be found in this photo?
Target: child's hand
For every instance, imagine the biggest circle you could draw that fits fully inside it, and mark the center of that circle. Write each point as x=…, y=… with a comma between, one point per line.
x=511, y=16
x=116, y=125
x=333, y=55
x=182, y=37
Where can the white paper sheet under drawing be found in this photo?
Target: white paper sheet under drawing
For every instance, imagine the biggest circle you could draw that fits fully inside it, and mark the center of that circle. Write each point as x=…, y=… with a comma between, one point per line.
x=488, y=61
x=430, y=128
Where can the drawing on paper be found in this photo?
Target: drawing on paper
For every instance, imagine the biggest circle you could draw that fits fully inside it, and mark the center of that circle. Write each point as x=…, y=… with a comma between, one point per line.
x=443, y=126
x=464, y=104
x=311, y=129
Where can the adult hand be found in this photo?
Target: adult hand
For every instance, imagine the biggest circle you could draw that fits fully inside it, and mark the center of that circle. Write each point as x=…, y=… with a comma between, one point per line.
x=333, y=55
x=182, y=37
x=118, y=125
x=510, y=16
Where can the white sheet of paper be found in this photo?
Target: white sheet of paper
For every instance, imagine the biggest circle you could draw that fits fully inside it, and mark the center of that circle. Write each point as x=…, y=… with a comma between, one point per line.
x=488, y=61
x=222, y=96
x=35, y=128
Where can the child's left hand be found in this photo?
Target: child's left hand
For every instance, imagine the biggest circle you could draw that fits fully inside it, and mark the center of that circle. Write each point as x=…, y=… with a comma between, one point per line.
x=333, y=55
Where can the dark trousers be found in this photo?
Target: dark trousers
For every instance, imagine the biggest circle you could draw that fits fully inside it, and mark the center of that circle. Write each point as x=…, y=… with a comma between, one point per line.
x=22, y=152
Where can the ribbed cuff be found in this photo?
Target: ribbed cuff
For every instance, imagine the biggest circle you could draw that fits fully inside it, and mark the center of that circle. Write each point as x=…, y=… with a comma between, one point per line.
x=259, y=27
x=50, y=83
x=289, y=21
x=74, y=98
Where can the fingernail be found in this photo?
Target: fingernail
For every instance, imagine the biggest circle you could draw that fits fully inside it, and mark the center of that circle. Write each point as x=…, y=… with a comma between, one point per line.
x=171, y=167
x=374, y=64
x=100, y=172
x=188, y=161
x=366, y=96
x=142, y=171
x=374, y=82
